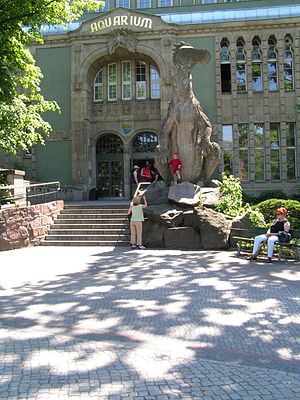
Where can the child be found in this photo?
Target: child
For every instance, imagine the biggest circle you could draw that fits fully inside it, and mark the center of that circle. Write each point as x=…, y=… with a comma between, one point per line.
x=176, y=165
x=136, y=222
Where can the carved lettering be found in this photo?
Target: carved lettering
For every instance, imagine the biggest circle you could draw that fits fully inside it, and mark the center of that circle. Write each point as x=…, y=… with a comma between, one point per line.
x=136, y=21
x=117, y=20
x=94, y=27
x=124, y=20
x=146, y=23
x=121, y=20
x=107, y=22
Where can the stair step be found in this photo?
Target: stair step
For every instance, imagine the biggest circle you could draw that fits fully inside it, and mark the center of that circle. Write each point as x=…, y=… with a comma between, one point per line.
x=82, y=243
x=75, y=231
x=80, y=225
x=100, y=217
x=105, y=237
x=94, y=211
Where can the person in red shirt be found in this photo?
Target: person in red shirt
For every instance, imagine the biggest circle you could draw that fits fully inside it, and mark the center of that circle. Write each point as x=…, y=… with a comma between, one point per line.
x=176, y=165
x=146, y=173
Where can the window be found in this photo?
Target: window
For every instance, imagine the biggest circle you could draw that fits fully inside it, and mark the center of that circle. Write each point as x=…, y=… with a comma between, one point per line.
x=291, y=151
x=272, y=65
x=241, y=74
x=288, y=66
x=145, y=142
x=154, y=83
x=165, y=3
x=123, y=3
x=227, y=149
x=275, y=151
x=243, y=152
x=143, y=3
x=112, y=82
x=257, y=82
x=140, y=80
x=126, y=80
x=98, y=86
x=225, y=67
x=259, y=152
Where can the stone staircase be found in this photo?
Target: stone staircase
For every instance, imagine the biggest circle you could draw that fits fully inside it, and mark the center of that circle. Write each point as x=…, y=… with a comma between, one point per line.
x=90, y=225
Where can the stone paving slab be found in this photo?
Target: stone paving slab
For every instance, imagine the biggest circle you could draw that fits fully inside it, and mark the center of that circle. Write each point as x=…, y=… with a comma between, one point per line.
x=115, y=324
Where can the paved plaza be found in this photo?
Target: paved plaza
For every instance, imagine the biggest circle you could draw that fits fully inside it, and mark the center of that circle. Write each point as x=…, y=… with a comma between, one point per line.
x=119, y=324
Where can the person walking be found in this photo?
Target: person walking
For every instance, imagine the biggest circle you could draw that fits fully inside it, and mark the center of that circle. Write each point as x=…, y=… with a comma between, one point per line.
x=136, y=221
x=278, y=225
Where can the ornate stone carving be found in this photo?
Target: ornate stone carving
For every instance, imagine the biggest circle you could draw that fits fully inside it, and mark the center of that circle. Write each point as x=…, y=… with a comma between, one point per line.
x=123, y=38
x=186, y=129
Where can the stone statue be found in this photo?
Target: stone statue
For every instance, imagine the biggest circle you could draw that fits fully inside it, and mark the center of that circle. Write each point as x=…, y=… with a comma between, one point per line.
x=186, y=130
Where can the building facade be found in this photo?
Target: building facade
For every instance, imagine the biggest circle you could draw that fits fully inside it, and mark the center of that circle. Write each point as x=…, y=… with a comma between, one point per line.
x=111, y=74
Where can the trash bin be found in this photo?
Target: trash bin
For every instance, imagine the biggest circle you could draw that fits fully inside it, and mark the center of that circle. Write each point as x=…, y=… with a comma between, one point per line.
x=93, y=194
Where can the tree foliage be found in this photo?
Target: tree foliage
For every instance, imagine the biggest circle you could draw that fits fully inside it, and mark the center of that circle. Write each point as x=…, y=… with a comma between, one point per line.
x=21, y=103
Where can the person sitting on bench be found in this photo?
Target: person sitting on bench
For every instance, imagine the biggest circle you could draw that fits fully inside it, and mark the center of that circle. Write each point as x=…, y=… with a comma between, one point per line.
x=279, y=224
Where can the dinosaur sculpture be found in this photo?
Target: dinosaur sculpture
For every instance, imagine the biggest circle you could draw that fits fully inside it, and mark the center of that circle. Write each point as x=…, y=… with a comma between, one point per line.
x=186, y=129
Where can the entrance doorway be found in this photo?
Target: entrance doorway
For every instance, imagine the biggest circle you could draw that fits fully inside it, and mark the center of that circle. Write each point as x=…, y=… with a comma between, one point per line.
x=110, y=167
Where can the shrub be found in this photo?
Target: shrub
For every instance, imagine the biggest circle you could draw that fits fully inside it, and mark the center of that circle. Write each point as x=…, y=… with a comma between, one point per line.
x=231, y=201
x=271, y=194
x=268, y=207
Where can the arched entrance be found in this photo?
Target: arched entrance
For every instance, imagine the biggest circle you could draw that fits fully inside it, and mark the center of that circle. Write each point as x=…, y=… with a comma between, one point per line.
x=110, y=168
x=143, y=147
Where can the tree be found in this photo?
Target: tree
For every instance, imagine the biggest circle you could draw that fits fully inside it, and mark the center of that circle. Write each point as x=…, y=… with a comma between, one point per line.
x=21, y=103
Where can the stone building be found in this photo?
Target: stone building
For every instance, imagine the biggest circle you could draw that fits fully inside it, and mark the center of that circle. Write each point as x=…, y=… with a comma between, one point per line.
x=111, y=74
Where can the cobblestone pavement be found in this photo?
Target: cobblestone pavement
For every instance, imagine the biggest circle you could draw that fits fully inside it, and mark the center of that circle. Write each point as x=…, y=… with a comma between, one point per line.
x=117, y=324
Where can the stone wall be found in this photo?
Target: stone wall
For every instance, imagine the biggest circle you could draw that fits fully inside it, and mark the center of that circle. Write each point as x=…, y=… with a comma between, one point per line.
x=25, y=226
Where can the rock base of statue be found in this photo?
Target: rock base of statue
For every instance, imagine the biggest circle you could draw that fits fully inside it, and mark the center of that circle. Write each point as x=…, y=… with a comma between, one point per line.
x=180, y=217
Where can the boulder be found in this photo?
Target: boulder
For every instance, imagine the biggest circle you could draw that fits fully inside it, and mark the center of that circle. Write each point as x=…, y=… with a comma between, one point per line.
x=214, y=228
x=185, y=193
x=153, y=234
x=182, y=238
x=210, y=196
x=157, y=193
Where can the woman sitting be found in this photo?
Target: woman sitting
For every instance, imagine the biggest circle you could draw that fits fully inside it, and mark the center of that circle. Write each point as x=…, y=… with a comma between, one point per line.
x=279, y=224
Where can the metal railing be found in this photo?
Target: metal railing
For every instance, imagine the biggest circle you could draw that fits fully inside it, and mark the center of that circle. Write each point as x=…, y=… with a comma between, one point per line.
x=139, y=191
x=30, y=194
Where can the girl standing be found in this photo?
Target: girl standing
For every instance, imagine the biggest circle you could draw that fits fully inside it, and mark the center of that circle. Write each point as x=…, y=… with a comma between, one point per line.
x=136, y=222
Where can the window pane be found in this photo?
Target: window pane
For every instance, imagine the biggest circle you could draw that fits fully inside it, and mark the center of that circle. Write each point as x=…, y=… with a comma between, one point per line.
x=274, y=136
x=126, y=80
x=112, y=82
x=144, y=4
x=243, y=135
x=291, y=164
x=290, y=135
x=275, y=164
x=241, y=77
x=272, y=74
x=288, y=75
x=244, y=165
x=98, y=86
x=154, y=83
x=123, y=3
x=257, y=83
x=165, y=3
x=259, y=166
x=259, y=140
x=140, y=90
x=227, y=134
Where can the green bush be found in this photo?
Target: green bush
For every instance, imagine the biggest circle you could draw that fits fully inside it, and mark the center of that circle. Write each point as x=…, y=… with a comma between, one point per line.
x=231, y=201
x=271, y=194
x=268, y=207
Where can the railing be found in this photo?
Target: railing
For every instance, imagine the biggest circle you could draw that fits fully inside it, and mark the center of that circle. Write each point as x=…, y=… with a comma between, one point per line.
x=30, y=194
x=139, y=191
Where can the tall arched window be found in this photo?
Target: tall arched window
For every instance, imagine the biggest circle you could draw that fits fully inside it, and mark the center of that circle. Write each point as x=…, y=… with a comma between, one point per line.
x=241, y=73
x=288, y=68
x=225, y=66
x=272, y=64
x=256, y=58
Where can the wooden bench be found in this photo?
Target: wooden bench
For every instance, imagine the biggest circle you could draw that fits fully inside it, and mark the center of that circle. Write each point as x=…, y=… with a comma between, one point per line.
x=242, y=236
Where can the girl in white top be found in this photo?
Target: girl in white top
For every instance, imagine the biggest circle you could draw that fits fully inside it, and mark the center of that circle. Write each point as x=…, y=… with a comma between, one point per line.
x=136, y=222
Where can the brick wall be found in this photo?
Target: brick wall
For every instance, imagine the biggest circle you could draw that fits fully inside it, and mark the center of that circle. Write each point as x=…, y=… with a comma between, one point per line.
x=25, y=226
